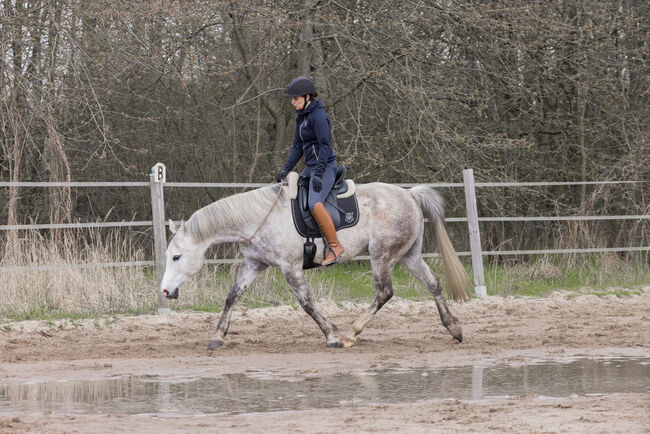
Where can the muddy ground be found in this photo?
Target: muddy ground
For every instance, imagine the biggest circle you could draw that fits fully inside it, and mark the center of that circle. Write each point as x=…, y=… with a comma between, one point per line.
x=286, y=340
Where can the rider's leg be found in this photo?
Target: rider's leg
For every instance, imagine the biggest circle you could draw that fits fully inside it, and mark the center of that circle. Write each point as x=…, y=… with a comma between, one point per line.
x=322, y=217
x=326, y=226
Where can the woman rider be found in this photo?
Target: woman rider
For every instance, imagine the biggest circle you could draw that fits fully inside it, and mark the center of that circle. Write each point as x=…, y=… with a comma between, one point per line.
x=313, y=139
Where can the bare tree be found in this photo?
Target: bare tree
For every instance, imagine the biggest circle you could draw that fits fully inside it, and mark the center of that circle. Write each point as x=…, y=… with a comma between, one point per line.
x=417, y=91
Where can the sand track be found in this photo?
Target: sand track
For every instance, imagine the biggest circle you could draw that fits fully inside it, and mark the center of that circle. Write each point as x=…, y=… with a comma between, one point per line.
x=285, y=339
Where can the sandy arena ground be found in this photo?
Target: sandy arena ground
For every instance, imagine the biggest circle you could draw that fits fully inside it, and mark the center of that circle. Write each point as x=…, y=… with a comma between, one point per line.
x=282, y=339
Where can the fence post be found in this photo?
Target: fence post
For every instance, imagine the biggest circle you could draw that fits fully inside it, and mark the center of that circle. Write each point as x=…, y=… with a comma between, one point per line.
x=474, y=233
x=157, y=179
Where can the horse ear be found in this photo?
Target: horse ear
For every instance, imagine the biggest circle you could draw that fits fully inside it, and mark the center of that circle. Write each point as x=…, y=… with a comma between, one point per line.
x=183, y=225
x=172, y=226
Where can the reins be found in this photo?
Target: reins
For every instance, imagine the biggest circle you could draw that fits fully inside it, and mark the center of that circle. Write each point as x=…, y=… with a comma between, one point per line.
x=248, y=240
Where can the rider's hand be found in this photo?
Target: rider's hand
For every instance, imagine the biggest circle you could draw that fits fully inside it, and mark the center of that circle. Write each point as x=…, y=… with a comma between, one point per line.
x=280, y=176
x=317, y=183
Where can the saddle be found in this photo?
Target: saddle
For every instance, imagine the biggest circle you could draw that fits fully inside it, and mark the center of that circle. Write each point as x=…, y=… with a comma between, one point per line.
x=341, y=204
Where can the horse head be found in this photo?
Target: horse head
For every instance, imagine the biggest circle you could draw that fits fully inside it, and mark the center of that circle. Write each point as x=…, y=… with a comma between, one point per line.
x=183, y=260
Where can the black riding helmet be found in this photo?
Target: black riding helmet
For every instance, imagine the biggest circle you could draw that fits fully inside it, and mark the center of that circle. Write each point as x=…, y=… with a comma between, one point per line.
x=300, y=86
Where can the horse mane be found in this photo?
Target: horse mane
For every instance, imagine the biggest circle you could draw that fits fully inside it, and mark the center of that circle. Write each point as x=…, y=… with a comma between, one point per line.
x=229, y=212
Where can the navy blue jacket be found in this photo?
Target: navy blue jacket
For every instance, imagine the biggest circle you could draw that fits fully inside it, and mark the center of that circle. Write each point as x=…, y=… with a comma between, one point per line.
x=313, y=139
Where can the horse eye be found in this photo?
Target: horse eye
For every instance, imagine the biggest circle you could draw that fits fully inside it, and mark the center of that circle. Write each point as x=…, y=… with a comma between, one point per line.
x=176, y=257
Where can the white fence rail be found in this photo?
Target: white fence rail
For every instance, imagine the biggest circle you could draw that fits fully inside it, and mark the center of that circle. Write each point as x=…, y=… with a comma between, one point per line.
x=157, y=183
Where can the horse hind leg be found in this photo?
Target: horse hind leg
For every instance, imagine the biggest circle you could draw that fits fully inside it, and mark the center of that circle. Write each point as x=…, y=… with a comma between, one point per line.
x=382, y=275
x=416, y=265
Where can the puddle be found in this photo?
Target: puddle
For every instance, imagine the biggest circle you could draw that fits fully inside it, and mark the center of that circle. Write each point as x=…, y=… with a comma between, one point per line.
x=258, y=391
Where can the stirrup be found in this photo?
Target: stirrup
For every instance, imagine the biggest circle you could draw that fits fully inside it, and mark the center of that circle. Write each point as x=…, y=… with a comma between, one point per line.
x=336, y=258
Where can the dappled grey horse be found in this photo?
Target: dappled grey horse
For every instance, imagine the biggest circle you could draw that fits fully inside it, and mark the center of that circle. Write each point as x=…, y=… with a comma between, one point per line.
x=390, y=229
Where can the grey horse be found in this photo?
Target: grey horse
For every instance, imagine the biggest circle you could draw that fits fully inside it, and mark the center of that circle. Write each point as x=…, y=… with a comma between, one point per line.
x=390, y=229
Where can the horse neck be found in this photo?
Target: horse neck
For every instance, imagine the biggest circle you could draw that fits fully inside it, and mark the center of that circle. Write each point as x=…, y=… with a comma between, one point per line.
x=220, y=222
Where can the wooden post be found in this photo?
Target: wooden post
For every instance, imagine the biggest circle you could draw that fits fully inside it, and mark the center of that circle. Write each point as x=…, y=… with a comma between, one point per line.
x=157, y=180
x=474, y=233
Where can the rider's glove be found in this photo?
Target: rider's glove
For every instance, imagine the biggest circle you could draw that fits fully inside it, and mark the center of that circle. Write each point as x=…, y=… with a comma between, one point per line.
x=280, y=176
x=317, y=183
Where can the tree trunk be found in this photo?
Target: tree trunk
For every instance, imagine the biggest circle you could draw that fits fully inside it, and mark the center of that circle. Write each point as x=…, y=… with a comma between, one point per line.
x=306, y=36
x=13, y=126
x=13, y=148
x=276, y=112
x=581, y=144
x=60, y=197
x=317, y=63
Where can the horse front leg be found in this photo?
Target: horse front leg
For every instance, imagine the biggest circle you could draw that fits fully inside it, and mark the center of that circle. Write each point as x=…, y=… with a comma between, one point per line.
x=298, y=283
x=382, y=275
x=247, y=273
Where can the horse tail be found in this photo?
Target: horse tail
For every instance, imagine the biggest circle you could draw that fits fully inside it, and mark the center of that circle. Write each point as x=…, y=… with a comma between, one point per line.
x=433, y=208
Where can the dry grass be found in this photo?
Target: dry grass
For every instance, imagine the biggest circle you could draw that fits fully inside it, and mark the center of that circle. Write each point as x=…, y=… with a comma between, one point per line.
x=26, y=290
x=56, y=289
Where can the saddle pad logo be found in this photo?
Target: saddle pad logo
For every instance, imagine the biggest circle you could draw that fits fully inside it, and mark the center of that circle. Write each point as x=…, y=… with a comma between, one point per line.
x=349, y=217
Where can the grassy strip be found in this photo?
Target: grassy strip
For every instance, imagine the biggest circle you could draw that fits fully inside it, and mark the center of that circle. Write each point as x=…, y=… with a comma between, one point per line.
x=597, y=275
x=95, y=293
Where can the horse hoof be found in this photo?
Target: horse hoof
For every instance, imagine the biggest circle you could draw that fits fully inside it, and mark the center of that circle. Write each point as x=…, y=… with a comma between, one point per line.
x=214, y=344
x=347, y=342
x=455, y=330
x=334, y=344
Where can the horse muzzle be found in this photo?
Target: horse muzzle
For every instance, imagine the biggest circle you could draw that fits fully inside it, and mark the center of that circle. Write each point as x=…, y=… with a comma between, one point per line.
x=173, y=294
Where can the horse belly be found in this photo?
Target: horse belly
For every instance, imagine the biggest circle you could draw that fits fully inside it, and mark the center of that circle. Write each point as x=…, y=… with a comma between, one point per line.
x=390, y=218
